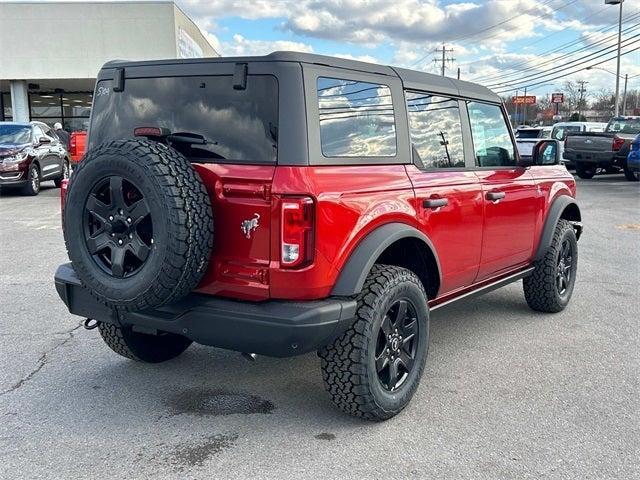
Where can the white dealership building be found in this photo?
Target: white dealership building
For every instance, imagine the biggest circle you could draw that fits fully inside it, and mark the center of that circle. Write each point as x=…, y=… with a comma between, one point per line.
x=50, y=53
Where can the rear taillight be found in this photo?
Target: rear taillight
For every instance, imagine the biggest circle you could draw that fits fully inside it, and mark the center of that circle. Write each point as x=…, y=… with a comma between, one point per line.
x=297, y=231
x=617, y=143
x=72, y=145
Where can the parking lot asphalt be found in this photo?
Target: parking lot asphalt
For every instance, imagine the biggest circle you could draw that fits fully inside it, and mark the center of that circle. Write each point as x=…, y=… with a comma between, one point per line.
x=507, y=392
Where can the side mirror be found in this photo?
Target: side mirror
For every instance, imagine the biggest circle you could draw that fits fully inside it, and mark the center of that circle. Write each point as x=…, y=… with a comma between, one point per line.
x=43, y=140
x=546, y=152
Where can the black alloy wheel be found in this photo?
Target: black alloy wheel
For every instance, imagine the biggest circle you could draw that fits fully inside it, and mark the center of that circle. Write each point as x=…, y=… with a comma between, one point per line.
x=564, y=268
x=397, y=344
x=118, y=229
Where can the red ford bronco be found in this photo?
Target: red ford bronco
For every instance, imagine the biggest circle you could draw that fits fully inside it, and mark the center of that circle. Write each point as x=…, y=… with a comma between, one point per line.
x=293, y=202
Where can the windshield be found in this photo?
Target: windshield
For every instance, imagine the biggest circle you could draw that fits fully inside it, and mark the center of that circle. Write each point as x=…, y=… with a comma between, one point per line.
x=559, y=133
x=624, y=125
x=529, y=133
x=235, y=125
x=14, y=134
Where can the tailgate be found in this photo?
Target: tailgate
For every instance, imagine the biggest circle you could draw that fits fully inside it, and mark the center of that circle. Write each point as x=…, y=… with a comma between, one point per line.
x=241, y=201
x=590, y=142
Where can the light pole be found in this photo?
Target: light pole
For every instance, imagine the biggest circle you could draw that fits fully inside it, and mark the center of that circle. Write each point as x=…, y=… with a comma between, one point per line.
x=617, y=2
x=624, y=94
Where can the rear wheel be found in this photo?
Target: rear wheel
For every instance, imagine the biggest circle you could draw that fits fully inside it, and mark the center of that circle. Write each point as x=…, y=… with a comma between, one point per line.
x=64, y=175
x=33, y=181
x=143, y=347
x=374, y=368
x=631, y=175
x=549, y=287
x=585, y=170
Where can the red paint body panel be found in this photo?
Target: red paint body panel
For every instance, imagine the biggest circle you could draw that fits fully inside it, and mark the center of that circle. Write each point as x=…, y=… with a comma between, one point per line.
x=455, y=229
x=475, y=239
x=509, y=223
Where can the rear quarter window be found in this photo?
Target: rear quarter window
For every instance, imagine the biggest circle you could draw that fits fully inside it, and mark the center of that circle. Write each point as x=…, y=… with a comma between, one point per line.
x=240, y=126
x=356, y=118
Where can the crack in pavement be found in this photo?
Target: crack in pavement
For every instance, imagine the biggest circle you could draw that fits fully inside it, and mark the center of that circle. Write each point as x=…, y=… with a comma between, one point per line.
x=42, y=361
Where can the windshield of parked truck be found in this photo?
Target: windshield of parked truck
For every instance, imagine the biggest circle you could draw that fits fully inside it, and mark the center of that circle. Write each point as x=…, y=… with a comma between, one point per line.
x=529, y=133
x=624, y=125
x=560, y=132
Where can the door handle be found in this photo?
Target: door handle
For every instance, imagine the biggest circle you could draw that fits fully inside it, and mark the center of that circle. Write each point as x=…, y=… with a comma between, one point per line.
x=495, y=196
x=435, y=203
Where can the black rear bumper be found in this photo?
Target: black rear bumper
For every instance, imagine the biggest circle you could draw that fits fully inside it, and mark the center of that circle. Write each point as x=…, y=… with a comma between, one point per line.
x=274, y=328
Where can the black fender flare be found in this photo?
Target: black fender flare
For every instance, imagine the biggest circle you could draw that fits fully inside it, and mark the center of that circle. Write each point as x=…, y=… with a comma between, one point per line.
x=355, y=270
x=558, y=206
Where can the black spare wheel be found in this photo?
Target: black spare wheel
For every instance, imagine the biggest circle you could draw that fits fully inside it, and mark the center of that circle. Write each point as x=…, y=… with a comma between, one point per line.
x=137, y=224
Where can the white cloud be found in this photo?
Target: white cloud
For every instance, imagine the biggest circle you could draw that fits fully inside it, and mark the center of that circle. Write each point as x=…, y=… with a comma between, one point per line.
x=241, y=46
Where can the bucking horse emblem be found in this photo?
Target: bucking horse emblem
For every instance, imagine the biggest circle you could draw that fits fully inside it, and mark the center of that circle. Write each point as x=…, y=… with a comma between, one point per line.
x=248, y=226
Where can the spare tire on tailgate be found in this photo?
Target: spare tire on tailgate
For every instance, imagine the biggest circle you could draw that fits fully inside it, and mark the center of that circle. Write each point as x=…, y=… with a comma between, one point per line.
x=137, y=224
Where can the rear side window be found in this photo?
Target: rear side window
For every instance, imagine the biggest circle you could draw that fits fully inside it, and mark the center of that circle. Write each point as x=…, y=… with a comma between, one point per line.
x=240, y=126
x=491, y=140
x=356, y=119
x=436, y=131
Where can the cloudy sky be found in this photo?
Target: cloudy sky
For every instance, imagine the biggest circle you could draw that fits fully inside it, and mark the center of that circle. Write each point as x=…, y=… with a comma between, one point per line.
x=504, y=44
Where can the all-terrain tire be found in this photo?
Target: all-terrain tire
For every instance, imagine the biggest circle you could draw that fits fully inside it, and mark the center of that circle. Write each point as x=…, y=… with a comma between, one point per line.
x=631, y=175
x=142, y=347
x=181, y=217
x=585, y=170
x=348, y=364
x=541, y=288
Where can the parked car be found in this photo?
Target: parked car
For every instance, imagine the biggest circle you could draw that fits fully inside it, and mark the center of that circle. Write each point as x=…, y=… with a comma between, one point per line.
x=527, y=137
x=349, y=201
x=560, y=131
x=607, y=150
x=77, y=146
x=31, y=153
x=633, y=159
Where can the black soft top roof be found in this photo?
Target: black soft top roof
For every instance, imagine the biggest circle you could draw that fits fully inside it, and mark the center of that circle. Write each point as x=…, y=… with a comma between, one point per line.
x=411, y=79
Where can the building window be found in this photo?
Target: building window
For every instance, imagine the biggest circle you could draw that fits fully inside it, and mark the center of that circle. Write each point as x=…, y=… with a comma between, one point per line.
x=71, y=109
x=6, y=113
x=356, y=119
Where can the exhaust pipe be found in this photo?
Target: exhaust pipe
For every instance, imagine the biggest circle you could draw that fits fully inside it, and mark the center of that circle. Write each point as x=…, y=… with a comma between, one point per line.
x=250, y=357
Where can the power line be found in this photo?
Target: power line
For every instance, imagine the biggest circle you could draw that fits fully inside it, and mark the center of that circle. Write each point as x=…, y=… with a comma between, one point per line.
x=557, y=59
x=506, y=90
x=502, y=76
x=583, y=59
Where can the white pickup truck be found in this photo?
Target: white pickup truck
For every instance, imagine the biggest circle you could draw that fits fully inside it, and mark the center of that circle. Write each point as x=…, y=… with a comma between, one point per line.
x=527, y=137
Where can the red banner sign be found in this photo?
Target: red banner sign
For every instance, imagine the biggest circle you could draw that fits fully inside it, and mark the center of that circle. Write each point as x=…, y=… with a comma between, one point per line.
x=557, y=98
x=528, y=99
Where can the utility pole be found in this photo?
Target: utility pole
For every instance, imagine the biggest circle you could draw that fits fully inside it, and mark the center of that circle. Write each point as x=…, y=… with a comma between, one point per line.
x=582, y=91
x=524, y=120
x=515, y=109
x=444, y=58
x=617, y=2
x=624, y=95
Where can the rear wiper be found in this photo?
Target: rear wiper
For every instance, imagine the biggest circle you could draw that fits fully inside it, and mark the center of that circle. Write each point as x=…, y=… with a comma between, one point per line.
x=163, y=134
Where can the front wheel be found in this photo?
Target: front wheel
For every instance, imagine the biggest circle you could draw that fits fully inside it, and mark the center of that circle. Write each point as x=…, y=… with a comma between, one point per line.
x=142, y=347
x=374, y=368
x=32, y=186
x=631, y=175
x=549, y=287
x=585, y=170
